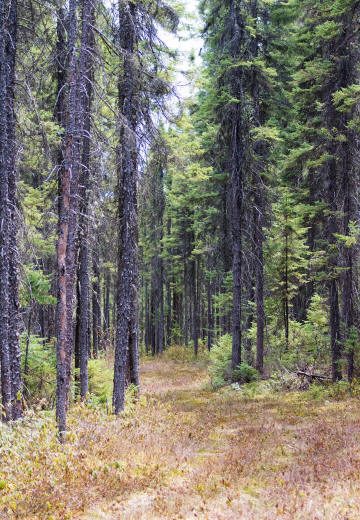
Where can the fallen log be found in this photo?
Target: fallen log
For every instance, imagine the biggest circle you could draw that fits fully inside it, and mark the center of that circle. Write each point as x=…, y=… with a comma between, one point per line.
x=312, y=376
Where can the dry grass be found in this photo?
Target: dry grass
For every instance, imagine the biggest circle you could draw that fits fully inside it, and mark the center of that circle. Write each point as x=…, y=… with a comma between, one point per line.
x=184, y=452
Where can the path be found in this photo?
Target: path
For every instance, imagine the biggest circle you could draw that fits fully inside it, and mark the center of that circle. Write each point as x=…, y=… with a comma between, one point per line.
x=192, y=453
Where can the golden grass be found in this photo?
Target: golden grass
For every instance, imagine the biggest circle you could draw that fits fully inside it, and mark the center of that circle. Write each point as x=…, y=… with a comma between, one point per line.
x=184, y=452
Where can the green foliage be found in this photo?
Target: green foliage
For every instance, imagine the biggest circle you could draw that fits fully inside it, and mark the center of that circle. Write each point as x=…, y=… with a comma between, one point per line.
x=220, y=366
x=40, y=379
x=38, y=219
x=287, y=253
x=346, y=98
x=36, y=287
x=308, y=341
x=287, y=248
x=352, y=238
x=220, y=362
x=352, y=343
x=245, y=373
x=338, y=391
x=100, y=382
x=266, y=133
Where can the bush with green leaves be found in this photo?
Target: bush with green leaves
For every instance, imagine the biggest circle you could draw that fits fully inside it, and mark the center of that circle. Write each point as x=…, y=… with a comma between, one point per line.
x=220, y=369
x=39, y=374
x=245, y=373
x=309, y=341
x=220, y=362
x=100, y=382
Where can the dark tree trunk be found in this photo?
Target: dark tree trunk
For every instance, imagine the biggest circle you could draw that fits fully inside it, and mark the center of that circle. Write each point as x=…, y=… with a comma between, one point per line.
x=210, y=315
x=147, y=324
x=286, y=292
x=177, y=315
x=248, y=354
x=260, y=310
x=186, y=303
x=28, y=333
x=96, y=308
x=11, y=385
x=168, y=311
x=14, y=311
x=335, y=336
x=126, y=347
x=196, y=305
x=107, y=288
x=86, y=73
x=157, y=201
x=351, y=182
x=335, y=331
x=5, y=227
x=260, y=151
x=234, y=131
x=68, y=215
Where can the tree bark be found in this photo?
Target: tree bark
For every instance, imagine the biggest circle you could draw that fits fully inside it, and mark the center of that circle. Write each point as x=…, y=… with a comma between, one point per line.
x=126, y=346
x=14, y=311
x=4, y=225
x=86, y=75
x=96, y=308
x=68, y=220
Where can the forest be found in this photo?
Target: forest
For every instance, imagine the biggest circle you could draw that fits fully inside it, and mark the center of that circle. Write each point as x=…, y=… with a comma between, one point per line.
x=180, y=259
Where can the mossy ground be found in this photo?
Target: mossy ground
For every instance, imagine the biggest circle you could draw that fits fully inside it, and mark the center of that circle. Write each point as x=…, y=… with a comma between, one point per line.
x=185, y=452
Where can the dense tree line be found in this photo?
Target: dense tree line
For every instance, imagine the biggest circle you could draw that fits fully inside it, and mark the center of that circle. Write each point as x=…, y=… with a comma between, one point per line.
x=73, y=132
x=124, y=227
x=260, y=229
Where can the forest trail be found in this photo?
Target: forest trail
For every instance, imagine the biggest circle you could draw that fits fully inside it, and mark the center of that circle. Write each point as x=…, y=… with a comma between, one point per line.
x=194, y=453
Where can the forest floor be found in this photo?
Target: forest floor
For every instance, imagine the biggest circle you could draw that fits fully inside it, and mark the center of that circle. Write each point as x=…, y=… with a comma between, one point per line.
x=186, y=452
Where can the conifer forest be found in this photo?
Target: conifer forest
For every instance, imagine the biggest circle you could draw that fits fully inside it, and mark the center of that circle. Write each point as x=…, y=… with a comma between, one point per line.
x=180, y=259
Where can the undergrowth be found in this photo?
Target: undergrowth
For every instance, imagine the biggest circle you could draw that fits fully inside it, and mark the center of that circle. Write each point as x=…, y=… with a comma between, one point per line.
x=220, y=370
x=186, y=354
x=178, y=445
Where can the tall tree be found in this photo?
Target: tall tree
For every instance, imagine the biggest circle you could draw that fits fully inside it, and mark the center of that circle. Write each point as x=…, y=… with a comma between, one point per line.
x=14, y=311
x=5, y=224
x=141, y=90
x=74, y=118
x=11, y=385
x=126, y=347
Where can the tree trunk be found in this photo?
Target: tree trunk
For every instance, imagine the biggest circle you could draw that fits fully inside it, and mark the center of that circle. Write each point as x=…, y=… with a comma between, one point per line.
x=14, y=311
x=126, y=347
x=68, y=215
x=86, y=73
x=107, y=305
x=351, y=180
x=11, y=386
x=196, y=305
x=210, y=315
x=96, y=308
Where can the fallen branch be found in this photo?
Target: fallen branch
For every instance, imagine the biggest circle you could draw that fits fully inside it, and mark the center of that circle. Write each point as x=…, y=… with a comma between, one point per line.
x=313, y=376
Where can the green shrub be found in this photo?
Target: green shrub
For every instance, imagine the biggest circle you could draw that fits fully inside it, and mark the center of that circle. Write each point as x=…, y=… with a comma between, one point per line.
x=40, y=375
x=220, y=362
x=245, y=373
x=220, y=366
x=339, y=390
x=317, y=392
x=100, y=382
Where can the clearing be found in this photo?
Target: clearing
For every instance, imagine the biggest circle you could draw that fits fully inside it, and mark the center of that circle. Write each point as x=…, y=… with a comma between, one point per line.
x=185, y=452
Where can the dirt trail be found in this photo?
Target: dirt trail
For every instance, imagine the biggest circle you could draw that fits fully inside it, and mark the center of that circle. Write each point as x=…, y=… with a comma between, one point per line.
x=207, y=455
